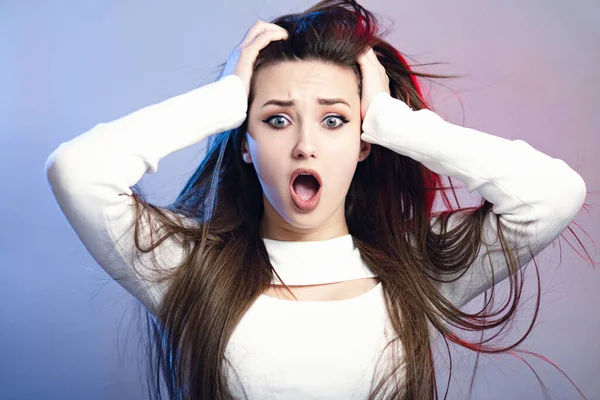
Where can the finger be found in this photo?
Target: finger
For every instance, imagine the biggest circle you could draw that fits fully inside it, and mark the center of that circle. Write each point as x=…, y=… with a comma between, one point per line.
x=372, y=57
x=256, y=30
x=367, y=53
x=368, y=59
x=371, y=60
x=364, y=60
x=266, y=37
x=252, y=32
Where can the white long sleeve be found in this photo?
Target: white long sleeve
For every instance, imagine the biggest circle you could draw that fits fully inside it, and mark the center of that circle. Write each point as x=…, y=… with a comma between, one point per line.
x=537, y=196
x=91, y=175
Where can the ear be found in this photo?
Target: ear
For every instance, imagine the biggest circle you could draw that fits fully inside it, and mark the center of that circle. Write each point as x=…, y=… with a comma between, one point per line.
x=246, y=152
x=365, y=150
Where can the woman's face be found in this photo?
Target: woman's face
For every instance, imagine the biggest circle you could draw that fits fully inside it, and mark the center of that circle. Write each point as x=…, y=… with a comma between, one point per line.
x=313, y=121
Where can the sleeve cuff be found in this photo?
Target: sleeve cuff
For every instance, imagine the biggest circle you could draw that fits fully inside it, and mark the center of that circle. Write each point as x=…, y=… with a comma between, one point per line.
x=382, y=108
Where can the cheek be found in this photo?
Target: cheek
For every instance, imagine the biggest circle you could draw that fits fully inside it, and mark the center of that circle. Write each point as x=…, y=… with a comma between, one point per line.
x=341, y=164
x=343, y=152
x=268, y=161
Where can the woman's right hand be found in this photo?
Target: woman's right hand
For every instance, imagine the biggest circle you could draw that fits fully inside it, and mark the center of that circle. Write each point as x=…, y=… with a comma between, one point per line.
x=241, y=60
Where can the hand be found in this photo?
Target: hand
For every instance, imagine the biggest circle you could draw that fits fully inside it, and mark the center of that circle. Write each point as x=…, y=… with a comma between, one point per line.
x=241, y=60
x=374, y=79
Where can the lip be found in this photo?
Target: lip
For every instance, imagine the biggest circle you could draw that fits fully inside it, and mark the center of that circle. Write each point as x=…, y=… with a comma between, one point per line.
x=301, y=204
x=300, y=171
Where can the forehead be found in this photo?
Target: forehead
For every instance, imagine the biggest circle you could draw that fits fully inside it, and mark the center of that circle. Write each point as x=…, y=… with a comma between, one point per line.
x=296, y=79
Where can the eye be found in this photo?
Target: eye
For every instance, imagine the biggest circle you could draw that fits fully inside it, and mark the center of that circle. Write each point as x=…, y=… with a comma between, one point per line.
x=279, y=121
x=330, y=118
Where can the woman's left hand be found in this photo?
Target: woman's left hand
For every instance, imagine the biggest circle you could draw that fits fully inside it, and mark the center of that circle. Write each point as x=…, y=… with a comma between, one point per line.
x=374, y=79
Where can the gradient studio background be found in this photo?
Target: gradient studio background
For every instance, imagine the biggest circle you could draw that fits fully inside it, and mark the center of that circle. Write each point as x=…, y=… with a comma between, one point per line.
x=531, y=72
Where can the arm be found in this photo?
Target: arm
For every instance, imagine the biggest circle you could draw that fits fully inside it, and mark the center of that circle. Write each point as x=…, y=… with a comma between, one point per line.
x=536, y=196
x=90, y=176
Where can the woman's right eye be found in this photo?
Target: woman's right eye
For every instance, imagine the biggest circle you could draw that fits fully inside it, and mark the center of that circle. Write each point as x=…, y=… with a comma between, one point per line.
x=277, y=121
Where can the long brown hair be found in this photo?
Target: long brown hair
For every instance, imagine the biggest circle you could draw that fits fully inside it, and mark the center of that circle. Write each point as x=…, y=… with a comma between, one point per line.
x=389, y=214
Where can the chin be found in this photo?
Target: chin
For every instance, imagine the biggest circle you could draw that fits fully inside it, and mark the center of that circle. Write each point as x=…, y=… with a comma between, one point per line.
x=306, y=220
x=302, y=219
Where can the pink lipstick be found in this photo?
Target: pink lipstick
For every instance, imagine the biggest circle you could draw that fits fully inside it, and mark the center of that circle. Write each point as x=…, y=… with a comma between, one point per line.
x=306, y=188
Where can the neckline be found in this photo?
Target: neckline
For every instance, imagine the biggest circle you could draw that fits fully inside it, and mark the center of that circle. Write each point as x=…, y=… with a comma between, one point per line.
x=316, y=262
x=363, y=296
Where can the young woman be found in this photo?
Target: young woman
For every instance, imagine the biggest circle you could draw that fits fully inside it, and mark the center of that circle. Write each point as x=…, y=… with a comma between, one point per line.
x=303, y=259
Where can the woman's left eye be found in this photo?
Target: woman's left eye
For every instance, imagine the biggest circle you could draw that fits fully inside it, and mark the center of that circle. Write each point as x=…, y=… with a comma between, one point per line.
x=339, y=117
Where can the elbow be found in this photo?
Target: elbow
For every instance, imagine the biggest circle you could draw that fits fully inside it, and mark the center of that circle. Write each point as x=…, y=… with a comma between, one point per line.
x=575, y=191
x=56, y=161
x=70, y=154
x=575, y=186
x=61, y=165
x=579, y=190
x=53, y=163
x=564, y=192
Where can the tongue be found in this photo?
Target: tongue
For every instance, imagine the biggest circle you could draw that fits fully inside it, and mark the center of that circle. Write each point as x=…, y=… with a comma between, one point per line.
x=306, y=186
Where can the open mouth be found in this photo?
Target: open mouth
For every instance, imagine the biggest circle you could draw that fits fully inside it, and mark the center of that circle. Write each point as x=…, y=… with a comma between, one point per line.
x=305, y=188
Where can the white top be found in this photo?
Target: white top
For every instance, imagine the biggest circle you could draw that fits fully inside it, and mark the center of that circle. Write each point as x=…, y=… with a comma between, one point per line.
x=305, y=349
x=284, y=349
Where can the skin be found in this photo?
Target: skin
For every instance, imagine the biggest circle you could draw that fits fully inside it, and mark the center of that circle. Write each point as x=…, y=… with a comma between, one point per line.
x=303, y=135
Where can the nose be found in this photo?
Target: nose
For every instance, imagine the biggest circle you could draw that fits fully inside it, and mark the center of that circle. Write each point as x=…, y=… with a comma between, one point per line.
x=305, y=145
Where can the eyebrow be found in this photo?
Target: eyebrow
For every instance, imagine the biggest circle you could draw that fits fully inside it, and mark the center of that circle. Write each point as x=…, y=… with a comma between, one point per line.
x=321, y=101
